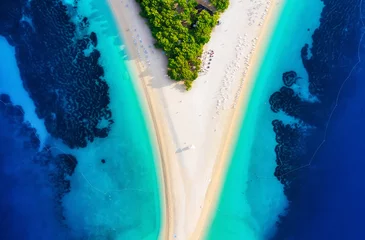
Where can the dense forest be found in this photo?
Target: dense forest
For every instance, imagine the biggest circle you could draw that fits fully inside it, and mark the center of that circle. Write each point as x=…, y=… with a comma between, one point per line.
x=181, y=31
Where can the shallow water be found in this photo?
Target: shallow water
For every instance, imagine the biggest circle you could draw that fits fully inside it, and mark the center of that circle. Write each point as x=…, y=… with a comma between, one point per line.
x=304, y=129
x=78, y=163
x=252, y=197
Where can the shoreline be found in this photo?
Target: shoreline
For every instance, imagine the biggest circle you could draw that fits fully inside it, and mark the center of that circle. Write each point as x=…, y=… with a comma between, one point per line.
x=154, y=128
x=209, y=118
x=237, y=120
x=158, y=146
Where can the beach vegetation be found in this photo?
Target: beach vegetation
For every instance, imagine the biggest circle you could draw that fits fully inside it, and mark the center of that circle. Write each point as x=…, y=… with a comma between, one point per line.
x=188, y=84
x=220, y=5
x=181, y=31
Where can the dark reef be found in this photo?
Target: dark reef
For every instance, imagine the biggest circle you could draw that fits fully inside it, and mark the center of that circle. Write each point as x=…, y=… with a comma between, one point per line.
x=289, y=78
x=15, y=116
x=334, y=58
x=63, y=165
x=288, y=137
x=57, y=168
x=331, y=47
x=66, y=85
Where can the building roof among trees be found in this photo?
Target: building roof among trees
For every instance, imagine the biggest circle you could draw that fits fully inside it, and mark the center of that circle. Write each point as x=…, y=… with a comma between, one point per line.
x=204, y=5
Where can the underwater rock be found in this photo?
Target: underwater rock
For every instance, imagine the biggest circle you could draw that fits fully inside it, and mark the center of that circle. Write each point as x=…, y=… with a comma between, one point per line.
x=289, y=78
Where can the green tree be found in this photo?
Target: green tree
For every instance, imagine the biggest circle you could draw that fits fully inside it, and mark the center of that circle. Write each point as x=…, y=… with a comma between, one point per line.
x=188, y=84
x=181, y=32
x=220, y=5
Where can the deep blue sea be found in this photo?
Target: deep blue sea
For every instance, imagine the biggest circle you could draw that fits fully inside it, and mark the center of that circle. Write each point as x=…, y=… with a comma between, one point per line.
x=76, y=157
x=327, y=194
x=72, y=167
x=297, y=172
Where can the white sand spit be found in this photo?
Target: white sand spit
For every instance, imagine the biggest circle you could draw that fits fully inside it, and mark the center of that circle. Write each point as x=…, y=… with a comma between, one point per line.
x=194, y=131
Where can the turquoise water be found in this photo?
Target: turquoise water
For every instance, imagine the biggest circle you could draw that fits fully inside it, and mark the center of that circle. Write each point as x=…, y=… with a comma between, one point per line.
x=125, y=194
x=118, y=199
x=14, y=88
x=252, y=198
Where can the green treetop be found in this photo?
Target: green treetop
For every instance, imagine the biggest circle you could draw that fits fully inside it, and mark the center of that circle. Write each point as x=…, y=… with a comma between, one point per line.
x=181, y=32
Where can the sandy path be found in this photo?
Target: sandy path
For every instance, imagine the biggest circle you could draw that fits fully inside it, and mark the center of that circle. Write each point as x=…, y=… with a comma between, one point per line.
x=194, y=130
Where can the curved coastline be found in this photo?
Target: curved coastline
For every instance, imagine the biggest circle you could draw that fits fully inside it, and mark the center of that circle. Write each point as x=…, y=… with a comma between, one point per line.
x=112, y=192
x=179, y=197
x=252, y=197
x=238, y=116
x=153, y=121
x=156, y=135
x=161, y=152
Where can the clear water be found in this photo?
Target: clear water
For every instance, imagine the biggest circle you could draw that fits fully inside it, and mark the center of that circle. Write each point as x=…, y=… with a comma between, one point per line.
x=119, y=199
x=124, y=194
x=12, y=85
x=252, y=198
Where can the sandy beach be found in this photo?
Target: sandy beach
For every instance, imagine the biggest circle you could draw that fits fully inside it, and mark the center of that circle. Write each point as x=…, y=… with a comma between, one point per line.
x=196, y=130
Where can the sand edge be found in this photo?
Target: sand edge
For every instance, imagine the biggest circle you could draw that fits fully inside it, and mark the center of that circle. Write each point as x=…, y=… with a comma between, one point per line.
x=154, y=126
x=237, y=120
x=161, y=136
